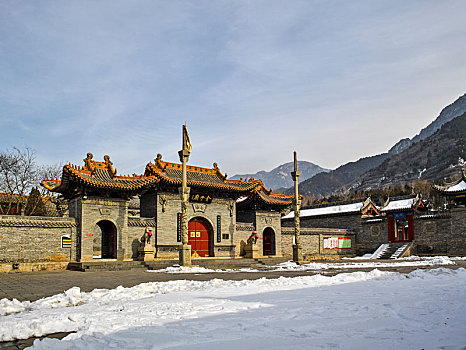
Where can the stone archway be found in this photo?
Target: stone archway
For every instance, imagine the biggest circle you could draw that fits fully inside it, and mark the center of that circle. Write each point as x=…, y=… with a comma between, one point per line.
x=105, y=240
x=200, y=237
x=269, y=241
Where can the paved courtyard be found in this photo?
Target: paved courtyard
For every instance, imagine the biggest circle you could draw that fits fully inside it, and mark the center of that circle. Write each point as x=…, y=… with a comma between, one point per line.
x=37, y=285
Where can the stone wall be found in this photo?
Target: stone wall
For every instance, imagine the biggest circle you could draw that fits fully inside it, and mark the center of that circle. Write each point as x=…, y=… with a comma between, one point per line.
x=372, y=233
x=368, y=236
x=35, y=239
x=443, y=233
x=431, y=234
x=344, y=221
x=312, y=242
x=457, y=241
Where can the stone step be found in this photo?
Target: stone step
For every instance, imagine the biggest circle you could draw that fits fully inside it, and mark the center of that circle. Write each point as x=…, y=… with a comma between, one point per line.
x=391, y=249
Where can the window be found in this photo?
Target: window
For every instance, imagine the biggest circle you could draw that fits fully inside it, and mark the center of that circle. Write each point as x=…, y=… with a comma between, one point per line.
x=66, y=241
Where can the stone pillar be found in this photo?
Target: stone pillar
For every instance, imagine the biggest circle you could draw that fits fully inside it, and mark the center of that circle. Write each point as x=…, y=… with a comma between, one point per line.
x=297, y=247
x=185, y=251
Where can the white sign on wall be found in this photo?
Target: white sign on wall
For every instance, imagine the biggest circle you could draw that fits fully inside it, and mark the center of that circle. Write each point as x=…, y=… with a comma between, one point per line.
x=337, y=243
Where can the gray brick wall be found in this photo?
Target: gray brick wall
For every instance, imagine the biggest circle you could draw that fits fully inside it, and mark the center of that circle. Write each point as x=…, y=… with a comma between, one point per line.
x=457, y=242
x=372, y=233
x=312, y=242
x=35, y=239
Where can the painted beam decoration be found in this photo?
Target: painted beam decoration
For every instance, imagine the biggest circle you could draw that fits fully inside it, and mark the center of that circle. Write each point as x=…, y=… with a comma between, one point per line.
x=337, y=243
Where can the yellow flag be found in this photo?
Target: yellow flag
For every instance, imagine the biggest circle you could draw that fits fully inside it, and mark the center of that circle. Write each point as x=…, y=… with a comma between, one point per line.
x=186, y=143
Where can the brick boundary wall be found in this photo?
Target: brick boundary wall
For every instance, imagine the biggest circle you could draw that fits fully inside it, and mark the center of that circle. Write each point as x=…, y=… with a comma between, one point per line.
x=312, y=242
x=35, y=243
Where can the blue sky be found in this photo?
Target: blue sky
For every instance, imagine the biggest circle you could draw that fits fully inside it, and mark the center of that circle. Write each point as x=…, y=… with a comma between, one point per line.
x=254, y=80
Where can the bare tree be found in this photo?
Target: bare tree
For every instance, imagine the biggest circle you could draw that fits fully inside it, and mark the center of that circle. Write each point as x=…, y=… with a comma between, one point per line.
x=39, y=194
x=19, y=174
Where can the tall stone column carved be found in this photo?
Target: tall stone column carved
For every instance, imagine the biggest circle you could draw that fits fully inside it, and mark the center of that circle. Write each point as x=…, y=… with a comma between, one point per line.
x=185, y=251
x=297, y=247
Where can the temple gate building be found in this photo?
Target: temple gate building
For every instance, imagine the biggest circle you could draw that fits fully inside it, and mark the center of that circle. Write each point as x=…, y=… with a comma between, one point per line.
x=222, y=213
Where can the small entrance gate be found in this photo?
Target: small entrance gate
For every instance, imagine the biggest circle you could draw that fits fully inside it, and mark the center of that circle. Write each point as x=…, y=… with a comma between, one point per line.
x=106, y=244
x=269, y=241
x=400, y=228
x=200, y=237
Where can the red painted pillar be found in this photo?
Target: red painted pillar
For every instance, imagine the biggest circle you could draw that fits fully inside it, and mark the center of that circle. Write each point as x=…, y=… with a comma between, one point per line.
x=391, y=229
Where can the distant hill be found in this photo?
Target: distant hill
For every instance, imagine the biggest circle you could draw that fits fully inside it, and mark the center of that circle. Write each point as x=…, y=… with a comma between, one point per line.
x=325, y=184
x=436, y=157
x=280, y=177
x=447, y=114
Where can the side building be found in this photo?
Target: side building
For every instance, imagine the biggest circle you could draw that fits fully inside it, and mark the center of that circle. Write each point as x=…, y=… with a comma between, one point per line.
x=402, y=225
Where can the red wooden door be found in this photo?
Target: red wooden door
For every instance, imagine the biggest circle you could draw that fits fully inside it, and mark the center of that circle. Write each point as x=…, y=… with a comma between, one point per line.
x=199, y=237
x=268, y=242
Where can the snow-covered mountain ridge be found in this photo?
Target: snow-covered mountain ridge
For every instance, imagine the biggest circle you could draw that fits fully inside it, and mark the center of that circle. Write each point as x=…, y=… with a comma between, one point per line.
x=280, y=177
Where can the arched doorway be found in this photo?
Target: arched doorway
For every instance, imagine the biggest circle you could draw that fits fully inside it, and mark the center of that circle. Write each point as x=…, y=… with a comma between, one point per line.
x=269, y=241
x=200, y=237
x=105, y=240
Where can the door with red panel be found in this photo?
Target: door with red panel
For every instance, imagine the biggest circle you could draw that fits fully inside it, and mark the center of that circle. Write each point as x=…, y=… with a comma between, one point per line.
x=269, y=241
x=200, y=237
x=400, y=228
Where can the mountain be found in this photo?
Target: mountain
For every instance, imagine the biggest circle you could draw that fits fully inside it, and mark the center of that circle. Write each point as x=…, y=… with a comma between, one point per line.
x=436, y=157
x=280, y=177
x=325, y=184
x=447, y=114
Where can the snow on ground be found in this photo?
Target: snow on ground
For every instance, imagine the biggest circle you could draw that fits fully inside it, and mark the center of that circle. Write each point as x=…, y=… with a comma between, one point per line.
x=405, y=262
x=184, y=269
x=291, y=266
x=358, y=310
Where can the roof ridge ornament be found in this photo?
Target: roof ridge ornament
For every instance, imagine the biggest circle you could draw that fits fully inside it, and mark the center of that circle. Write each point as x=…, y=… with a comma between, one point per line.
x=89, y=163
x=109, y=165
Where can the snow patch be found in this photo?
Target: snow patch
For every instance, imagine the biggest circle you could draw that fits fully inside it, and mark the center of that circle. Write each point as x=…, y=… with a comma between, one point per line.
x=336, y=209
x=399, y=204
x=461, y=186
x=359, y=310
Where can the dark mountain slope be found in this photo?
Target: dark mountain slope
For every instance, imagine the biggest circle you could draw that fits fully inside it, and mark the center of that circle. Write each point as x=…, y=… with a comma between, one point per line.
x=447, y=114
x=325, y=184
x=436, y=157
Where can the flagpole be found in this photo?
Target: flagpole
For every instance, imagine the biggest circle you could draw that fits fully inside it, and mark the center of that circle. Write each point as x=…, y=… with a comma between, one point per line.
x=185, y=251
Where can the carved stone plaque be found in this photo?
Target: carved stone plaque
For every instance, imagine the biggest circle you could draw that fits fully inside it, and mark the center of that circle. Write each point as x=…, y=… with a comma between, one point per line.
x=199, y=207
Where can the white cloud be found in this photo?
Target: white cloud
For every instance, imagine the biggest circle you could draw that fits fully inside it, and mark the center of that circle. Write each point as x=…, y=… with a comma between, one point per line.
x=254, y=80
